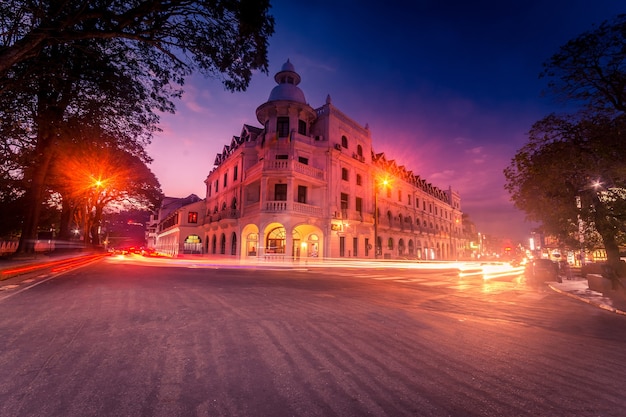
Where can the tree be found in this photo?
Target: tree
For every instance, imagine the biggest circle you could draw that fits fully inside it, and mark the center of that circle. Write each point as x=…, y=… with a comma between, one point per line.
x=571, y=176
x=90, y=177
x=227, y=39
x=590, y=70
x=116, y=61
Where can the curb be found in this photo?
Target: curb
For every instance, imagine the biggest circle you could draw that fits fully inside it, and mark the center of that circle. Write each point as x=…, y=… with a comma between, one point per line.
x=585, y=300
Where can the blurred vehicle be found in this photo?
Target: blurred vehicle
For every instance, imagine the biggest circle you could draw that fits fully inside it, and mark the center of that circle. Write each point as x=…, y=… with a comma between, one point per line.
x=541, y=270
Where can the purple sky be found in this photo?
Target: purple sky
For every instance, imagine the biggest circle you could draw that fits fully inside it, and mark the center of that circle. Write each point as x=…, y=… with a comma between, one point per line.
x=449, y=89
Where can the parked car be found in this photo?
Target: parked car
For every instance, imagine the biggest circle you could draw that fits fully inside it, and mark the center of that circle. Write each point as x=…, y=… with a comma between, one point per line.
x=541, y=270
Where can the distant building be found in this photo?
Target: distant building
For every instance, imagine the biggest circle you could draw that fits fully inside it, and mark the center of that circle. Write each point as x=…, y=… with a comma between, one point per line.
x=306, y=185
x=177, y=226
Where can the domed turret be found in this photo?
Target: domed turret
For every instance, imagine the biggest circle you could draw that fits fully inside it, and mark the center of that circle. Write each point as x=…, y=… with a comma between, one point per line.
x=287, y=88
x=286, y=101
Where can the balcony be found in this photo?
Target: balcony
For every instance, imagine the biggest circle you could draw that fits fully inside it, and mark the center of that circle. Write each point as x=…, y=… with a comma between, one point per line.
x=229, y=214
x=292, y=208
x=294, y=166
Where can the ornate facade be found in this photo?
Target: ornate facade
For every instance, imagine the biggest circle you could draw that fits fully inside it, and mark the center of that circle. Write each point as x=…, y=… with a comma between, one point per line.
x=307, y=183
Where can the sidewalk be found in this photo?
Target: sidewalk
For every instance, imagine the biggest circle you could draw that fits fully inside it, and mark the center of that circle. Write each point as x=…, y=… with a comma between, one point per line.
x=578, y=288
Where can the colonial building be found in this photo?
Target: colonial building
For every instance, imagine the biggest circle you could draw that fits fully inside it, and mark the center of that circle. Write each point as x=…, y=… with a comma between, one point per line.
x=307, y=183
x=177, y=226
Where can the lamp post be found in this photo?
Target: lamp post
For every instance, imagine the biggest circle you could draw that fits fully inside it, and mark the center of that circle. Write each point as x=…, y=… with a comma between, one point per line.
x=581, y=224
x=384, y=183
x=375, y=221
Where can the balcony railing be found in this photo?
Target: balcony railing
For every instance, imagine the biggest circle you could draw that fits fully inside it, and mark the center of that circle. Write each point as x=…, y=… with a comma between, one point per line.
x=287, y=206
x=224, y=214
x=295, y=166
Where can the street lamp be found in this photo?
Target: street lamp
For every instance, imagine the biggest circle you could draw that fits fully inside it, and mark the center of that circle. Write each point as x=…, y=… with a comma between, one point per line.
x=581, y=224
x=384, y=183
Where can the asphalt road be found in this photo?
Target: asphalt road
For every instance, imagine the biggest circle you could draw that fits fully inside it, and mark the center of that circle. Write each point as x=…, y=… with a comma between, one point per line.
x=119, y=338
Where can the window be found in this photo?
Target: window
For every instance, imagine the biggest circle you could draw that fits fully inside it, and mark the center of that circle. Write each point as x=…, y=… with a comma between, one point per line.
x=217, y=185
x=344, y=141
x=233, y=244
x=344, y=201
x=355, y=246
x=223, y=244
x=235, y=172
x=301, y=194
x=282, y=156
x=359, y=204
x=409, y=199
x=282, y=127
x=359, y=150
x=192, y=217
x=302, y=127
x=276, y=241
x=390, y=243
x=344, y=174
x=233, y=203
x=342, y=246
x=399, y=195
x=225, y=179
x=367, y=247
x=303, y=160
x=252, y=241
x=359, y=179
x=280, y=192
x=214, y=244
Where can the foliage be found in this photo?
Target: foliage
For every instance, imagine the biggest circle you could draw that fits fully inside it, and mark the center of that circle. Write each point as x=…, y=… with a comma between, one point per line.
x=226, y=39
x=560, y=166
x=591, y=69
x=571, y=175
x=91, y=177
x=110, y=66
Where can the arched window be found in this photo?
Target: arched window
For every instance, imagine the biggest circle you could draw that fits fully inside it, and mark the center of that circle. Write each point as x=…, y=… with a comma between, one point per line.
x=215, y=209
x=233, y=244
x=344, y=141
x=390, y=243
x=223, y=244
x=224, y=206
x=389, y=217
x=401, y=247
x=252, y=242
x=214, y=244
x=233, y=204
x=411, y=247
x=359, y=150
x=276, y=241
